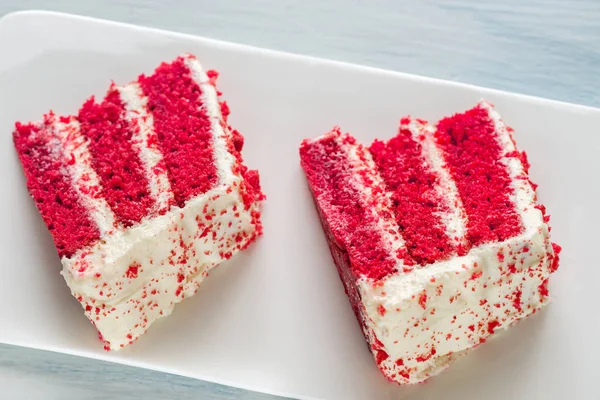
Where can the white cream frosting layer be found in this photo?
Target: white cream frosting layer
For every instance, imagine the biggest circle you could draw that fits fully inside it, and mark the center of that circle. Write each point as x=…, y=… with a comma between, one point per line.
x=452, y=306
x=136, y=276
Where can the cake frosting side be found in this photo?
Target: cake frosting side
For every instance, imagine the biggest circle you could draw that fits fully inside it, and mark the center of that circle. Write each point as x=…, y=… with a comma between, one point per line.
x=136, y=276
x=462, y=270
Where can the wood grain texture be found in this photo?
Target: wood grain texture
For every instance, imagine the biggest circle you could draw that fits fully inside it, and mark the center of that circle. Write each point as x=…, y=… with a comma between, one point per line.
x=548, y=48
x=33, y=374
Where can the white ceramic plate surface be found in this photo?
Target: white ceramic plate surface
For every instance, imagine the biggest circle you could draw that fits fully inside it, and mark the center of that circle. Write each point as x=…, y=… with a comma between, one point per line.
x=275, y=319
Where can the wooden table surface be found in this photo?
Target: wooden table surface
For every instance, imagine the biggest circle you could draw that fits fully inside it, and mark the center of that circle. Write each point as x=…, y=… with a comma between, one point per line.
x=547, y=48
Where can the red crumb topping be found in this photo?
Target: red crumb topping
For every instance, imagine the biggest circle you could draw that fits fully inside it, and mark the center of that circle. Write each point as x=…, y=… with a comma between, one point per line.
x=543, y=289
x=124, y=183
x=183, y=129
x=252, y=191
x=132, y=271
x=381, y=356
x=354, y=228
x=556, y=258
x=416, y=204
x=425, y=357
x=423, y=300
x=500, y=256
x=52, y=190
x=542, y=209
x=492, y=325
x=517, y=303
x=237, y=142
x=472, y=154
x=476, y=275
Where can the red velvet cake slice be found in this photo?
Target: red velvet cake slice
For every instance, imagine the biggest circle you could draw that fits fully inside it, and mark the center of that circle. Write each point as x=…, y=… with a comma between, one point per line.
x=436, y=235
x=143, y=192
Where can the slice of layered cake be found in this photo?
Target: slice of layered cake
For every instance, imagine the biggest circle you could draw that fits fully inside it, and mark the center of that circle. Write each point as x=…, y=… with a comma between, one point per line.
x=436, y=234
x=144, y=192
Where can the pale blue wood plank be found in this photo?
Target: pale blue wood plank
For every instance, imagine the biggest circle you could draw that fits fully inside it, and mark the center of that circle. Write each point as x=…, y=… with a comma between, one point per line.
x=548, y=48
x=34, y=374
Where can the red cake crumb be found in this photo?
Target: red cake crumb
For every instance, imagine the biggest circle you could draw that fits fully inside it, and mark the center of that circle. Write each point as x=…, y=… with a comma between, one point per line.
x=381, y=356
x=236, y=143
x=423, y=300
x=132, y=271
x=117, y=163
x=473, y=157
x=492, y=325
x=252, y=191
x=556, y=258
x=425, y=357
x=500, y=256
x=328, y=171
x=416, y=204
x=183, y=129
x=53, y=192
x=543, y=289
x=517, y=303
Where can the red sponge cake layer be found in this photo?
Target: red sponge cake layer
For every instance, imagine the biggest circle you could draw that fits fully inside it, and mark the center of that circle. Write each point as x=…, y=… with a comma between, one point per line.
x=52, y=190
x=473, y=156
x=183, y=129
x=114, y=159
x=416, y=203
x=327, y=165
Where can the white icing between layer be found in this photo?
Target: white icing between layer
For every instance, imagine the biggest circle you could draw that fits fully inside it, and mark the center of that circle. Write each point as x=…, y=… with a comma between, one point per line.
x=145, y=143
x=223, y=158
x=523, y=196
x=85, y=180
x=454, y=219
x=365, y=166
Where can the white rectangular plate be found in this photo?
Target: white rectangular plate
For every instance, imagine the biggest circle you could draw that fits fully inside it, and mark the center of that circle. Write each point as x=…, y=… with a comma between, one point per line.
x=275, y=319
